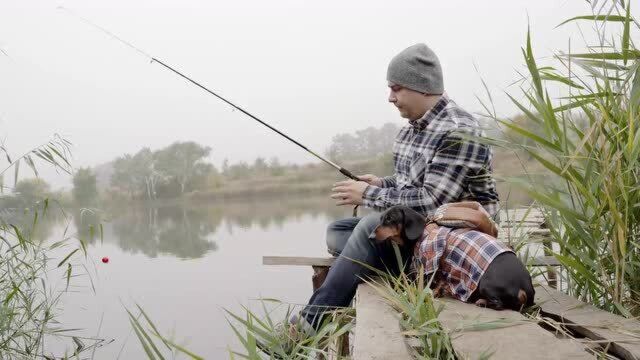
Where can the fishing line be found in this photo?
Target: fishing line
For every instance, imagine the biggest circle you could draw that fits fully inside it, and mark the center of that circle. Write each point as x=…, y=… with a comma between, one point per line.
x=109, y=33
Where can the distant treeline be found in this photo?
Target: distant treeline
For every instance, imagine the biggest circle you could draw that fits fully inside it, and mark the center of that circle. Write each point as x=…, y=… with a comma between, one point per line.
x=25, y=193
x=182, y=168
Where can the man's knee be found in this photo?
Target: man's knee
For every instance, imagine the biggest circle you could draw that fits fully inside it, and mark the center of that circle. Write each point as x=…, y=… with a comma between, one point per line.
x=352, y=230
x=359, y=244
x=338, y=233
x=334, y=241
x=367, y=225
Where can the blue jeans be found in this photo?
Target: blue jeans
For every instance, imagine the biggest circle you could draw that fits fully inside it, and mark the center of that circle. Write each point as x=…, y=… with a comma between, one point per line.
x=353, y=240
x=338, y=233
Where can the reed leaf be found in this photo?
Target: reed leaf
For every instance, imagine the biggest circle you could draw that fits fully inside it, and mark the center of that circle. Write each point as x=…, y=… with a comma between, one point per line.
x=64, y=260
x=630, y=54
x=574, y=104
x=533, y=68
x=617, y=18
x=554, y=77
x=529, y=135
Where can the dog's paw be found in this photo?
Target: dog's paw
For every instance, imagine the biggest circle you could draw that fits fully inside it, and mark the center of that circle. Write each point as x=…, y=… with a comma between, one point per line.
x=481, y=303
x=440, y=290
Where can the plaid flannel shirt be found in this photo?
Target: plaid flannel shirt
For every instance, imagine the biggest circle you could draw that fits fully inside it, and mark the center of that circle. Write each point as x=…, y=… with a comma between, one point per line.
x=436, y=162
x=458, y=257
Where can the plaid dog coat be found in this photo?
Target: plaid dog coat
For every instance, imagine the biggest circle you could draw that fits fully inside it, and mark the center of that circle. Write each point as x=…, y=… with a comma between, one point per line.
x=458, y=257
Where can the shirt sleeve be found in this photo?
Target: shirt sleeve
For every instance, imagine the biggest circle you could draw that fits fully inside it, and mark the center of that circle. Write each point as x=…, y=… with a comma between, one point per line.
x=389, y=181
x=456, y=158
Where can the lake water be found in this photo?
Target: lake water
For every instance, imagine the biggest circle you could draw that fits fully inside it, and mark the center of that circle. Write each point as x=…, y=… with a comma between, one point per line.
x=184, y=266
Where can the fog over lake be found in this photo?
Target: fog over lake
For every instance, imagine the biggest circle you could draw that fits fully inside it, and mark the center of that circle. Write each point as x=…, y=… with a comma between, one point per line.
x=312, y=69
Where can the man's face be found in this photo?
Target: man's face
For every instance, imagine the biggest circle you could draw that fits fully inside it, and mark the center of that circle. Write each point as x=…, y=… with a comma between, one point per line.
x=410, y=103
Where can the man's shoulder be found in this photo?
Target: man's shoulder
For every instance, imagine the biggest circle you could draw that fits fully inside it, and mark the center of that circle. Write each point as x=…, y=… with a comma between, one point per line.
x=454, y=117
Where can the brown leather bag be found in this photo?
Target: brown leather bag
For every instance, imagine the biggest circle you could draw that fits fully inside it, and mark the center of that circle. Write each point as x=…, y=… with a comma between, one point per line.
x=465, y=214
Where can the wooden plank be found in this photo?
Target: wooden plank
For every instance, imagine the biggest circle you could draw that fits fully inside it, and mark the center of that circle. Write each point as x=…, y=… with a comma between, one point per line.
x=327, y=261
x=518, y=338
x=529, y=239
x=544, y=261
x=529, y=221
x=539, y=232
x=520, y=213
x=378, y=334
x=517, y=218
x=519, y=221
x=623, y=335
x=528, y=231
x=298, y=260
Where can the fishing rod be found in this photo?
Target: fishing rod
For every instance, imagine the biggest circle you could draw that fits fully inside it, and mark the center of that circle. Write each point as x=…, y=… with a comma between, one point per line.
x=153, y=59
x=342, y=170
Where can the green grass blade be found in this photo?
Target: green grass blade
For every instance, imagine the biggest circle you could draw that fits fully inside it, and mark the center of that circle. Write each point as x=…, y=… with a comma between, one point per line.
x=617, y=18
x=625, y=34
x=142, y=340
x=143, y=334
x=67, y=257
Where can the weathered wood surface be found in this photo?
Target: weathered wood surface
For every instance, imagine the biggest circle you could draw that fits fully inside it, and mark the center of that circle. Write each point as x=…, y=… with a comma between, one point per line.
x=543, y=261
x=520, y=214
x=327, y=261
x=620, y=334
x=378, y=333
x=298, y=260
x=518, y=338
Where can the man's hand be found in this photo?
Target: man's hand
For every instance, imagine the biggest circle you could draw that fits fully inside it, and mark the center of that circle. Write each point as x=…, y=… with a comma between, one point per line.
x=348, y=192
x=371, y=179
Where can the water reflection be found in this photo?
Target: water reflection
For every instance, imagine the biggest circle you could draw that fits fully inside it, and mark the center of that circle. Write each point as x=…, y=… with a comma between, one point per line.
x=178, y=231
x=187, y=231
x=35, y=222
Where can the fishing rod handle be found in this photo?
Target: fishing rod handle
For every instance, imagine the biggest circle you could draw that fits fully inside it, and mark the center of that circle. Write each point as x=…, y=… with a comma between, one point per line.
x=348, y=174
x=355, y=211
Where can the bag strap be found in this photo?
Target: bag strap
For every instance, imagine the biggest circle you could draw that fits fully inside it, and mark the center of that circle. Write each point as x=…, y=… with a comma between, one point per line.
x=465, y=214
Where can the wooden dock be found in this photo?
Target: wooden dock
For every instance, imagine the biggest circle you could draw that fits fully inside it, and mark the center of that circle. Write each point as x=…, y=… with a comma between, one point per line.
x=513, y=336
x=565, y=327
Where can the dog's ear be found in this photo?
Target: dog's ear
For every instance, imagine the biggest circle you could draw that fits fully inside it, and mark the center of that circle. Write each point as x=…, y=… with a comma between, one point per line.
x=413, y=223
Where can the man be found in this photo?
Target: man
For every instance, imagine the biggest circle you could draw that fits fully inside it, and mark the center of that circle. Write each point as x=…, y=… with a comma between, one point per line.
x=437, y=158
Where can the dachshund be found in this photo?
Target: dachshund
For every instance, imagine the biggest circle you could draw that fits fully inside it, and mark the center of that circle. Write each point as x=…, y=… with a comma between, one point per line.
x=467, y=264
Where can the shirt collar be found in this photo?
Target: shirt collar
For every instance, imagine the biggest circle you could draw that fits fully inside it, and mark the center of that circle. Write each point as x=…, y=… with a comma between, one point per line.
x=431, y=114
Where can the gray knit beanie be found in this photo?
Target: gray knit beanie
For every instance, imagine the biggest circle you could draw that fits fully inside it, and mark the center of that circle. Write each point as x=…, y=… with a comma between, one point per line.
x=417, y=68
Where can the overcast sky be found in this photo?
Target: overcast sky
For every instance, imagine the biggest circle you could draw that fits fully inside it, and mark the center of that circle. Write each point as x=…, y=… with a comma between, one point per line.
x=310, y=68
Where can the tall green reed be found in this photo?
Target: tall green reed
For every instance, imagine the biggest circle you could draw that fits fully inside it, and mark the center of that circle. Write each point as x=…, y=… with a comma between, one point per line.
x=155, y=345
x=28, y=303
x=588, y=140
x=268, y=335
